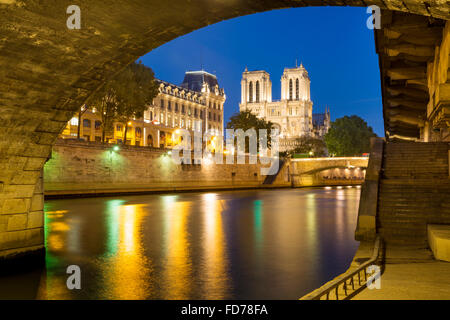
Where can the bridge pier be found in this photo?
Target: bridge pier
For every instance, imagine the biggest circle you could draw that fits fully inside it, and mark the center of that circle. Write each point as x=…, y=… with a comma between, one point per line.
x=22, y=215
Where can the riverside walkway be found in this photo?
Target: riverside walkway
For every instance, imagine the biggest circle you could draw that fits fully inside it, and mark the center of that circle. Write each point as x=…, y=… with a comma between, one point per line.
x=411, y=273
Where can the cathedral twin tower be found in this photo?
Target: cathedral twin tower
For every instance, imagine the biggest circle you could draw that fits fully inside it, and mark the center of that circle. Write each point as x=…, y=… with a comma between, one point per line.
x=292, y=115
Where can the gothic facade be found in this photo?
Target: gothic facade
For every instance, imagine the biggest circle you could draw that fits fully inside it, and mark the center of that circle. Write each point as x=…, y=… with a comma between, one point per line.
x=293, y=114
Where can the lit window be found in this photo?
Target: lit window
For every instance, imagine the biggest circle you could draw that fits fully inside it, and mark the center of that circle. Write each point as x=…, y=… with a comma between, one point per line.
x=74, y=121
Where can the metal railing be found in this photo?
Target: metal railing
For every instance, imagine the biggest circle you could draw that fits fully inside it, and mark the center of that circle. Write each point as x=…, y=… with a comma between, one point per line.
x=348, y=284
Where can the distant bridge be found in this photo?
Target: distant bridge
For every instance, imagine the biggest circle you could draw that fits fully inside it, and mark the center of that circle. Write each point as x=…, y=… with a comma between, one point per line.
x=328, y=171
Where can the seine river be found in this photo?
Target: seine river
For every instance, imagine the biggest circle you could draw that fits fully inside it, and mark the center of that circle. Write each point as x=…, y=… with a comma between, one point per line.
x=258, y=244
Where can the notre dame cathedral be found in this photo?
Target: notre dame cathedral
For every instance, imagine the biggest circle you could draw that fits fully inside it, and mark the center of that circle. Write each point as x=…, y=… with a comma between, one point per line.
x=293, y=114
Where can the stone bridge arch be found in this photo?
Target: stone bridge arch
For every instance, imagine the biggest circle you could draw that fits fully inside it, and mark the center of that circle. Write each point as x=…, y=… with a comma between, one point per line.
x=48, y=71
x=307, y=172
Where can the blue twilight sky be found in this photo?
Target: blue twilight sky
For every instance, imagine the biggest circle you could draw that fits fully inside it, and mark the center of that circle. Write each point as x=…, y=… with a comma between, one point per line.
x=334, y=44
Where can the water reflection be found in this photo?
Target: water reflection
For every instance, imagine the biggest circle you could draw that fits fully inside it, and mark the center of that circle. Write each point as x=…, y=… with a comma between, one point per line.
x=178, y=272
x=215, y=265
x=127, y=269
x=274, y=244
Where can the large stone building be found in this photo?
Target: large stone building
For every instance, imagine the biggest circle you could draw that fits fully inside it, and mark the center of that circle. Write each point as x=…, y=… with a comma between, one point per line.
x=293, y=114
x=195, y=105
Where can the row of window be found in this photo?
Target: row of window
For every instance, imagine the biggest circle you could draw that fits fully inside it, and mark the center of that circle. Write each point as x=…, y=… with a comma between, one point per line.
x=177, y=107
x=297, y=90
x=257, y=91
x=211, y=116
x=87, y=123
x=214, y=105
x=250, y=91
x=214, y=117
x=98, y=124
x=183, y=96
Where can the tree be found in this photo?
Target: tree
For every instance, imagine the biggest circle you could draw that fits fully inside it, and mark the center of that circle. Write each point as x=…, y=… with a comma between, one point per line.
x=106, y=103
x=309, y=144
x=125, y=97
x=136, y=89
x=82, y=111
x=349, y=136
x=246, y=120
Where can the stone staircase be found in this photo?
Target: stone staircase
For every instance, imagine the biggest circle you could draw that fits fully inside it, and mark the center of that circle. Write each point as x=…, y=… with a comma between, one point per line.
x=414, y=190
x=271, y=178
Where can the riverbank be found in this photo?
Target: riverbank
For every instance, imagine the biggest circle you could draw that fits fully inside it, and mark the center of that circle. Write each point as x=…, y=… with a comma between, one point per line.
x=78, y=168
x=56, y=191
x=75, y=191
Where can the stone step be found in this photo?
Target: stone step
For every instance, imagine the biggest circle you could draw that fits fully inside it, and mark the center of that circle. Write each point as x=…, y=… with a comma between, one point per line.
x=439, y=240
x=412, y=197
x=412, y=210
x=414, y=190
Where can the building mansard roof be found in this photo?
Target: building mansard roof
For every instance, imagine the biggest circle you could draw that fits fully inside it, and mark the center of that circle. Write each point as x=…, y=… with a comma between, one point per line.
x=201, y=81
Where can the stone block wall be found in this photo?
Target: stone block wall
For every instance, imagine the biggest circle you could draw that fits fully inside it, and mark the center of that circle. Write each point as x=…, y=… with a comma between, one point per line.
x=88, y=167
x=22, y=222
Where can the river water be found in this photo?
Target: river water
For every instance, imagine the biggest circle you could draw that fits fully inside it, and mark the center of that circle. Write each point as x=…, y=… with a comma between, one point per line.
x=257, y=244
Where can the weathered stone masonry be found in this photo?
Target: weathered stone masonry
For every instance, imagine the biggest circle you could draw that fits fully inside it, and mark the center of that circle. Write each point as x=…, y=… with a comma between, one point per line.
x=83, y=168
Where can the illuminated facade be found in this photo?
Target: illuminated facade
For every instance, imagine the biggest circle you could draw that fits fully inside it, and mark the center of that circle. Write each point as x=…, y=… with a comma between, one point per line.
x=292, y=115
x=195, y=105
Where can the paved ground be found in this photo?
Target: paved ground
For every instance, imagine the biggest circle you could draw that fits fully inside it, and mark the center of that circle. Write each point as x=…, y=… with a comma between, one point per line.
x=411, y=273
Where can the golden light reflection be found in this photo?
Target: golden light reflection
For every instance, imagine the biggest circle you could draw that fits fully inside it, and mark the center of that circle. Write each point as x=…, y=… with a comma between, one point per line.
x=56, y=238
x=340, y=215
x=216, y=264
x=57, y=233
x=177, y=272
x=55, y=242
x=128, y=271
x=311, y=220
x=340, y=195
x=56, y=214
x=60, y=226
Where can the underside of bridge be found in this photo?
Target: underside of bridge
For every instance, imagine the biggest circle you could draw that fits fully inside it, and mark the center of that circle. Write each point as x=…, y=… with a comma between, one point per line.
x=414, y=55
x=48, y=71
